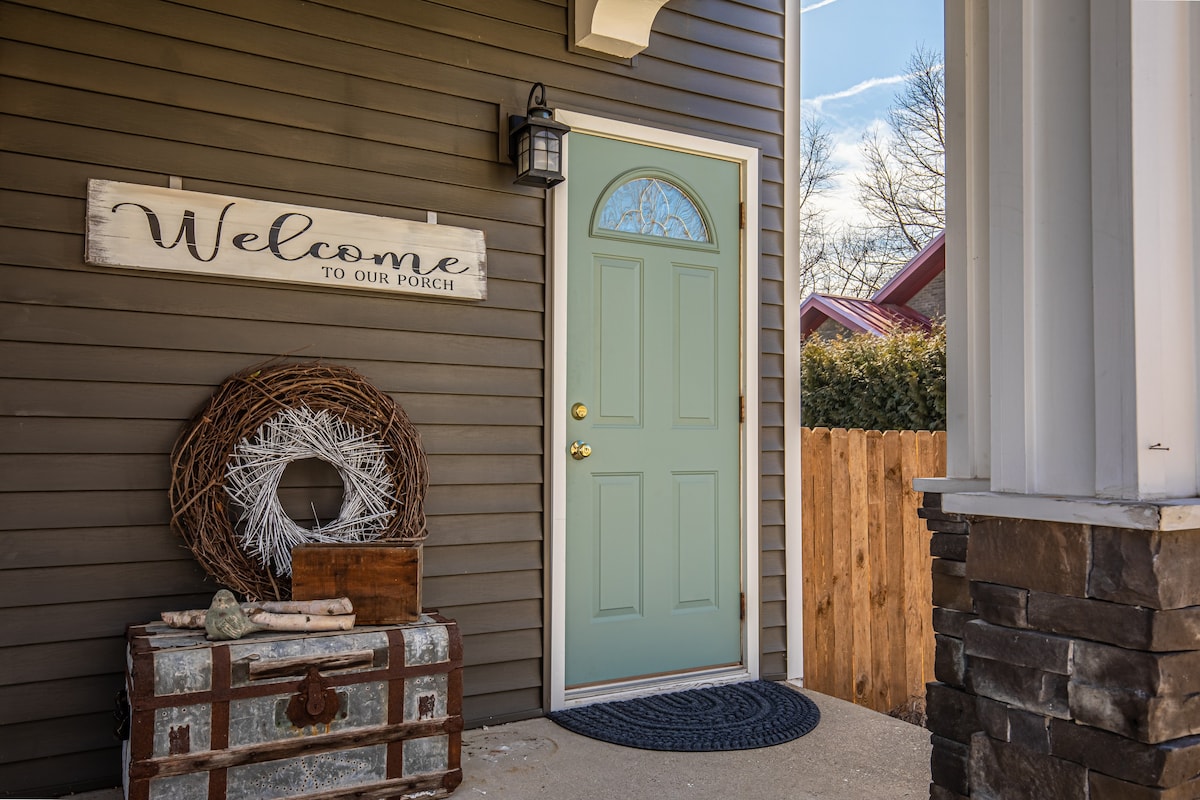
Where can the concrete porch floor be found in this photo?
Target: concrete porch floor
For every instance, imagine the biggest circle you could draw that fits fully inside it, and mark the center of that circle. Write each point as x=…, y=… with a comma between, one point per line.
x=854, y=754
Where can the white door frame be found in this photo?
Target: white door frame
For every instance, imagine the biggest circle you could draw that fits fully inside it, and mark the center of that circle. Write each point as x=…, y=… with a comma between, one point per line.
x=748, y=159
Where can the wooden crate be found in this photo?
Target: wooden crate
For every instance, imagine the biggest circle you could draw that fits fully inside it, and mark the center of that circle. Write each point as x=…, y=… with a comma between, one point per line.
x=383, y=581
x=369, y=713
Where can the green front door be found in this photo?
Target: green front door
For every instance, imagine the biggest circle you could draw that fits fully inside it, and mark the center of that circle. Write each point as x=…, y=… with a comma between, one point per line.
x=653, y=516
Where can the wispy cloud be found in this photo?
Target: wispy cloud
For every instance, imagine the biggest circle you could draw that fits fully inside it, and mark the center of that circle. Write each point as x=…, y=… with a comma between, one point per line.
x=840, y=200
x=815, y=6
x=858, y=88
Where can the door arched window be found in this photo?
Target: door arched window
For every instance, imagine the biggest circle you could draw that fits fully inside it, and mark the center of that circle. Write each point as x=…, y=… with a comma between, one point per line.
x=652, y=206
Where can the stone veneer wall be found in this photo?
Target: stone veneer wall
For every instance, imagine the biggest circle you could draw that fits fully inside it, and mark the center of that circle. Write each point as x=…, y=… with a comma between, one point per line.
x=1067, y=663
x=949, y=704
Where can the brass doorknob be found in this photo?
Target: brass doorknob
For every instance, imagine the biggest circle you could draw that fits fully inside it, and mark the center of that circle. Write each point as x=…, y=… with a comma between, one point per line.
x=580, y=450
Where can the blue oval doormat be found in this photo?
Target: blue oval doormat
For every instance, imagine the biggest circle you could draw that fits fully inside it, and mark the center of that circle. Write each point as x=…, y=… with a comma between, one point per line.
x=735, y=716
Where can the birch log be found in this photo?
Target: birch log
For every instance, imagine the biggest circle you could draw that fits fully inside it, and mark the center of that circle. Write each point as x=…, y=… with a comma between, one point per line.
x=329, y=608
x=301, y=622
x=338, y=606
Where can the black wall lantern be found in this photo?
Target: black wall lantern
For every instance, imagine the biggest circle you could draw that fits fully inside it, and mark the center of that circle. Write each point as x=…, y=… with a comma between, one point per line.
x=535, y=143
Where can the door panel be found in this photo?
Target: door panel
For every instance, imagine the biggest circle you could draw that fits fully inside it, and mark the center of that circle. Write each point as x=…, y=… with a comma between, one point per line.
x=697, y=541
x=618, y=575
x=618, y=292
x=653, y=543
x=696, y=347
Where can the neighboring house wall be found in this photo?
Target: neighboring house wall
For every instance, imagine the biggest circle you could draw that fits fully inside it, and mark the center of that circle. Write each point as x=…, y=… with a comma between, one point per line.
x=931, y=300
x=831, y=329
x=382, y=108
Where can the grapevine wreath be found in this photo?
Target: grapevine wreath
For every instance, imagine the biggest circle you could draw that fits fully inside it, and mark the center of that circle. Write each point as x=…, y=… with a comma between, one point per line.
x=227, y=464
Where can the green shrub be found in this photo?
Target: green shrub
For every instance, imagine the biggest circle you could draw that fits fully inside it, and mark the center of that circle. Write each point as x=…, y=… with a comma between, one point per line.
x=895, y=382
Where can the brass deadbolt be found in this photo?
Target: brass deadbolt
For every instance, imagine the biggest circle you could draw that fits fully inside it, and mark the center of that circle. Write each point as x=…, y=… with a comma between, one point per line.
x=580, y=450
x=579, y=411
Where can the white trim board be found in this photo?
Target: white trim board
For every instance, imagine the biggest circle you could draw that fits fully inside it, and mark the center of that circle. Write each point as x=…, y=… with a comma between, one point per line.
x=748, y=158
x=792, y=342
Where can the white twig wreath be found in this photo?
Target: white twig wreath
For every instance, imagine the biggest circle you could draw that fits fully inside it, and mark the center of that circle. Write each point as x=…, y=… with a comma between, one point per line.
x=230, y=457
x=257, y=464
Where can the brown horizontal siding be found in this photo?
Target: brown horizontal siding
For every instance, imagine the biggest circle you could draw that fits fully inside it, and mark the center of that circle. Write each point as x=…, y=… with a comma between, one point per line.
x=504, y=706
x=774, y=537
x=89, y=435
x=47, y=738
x=30, y=510
x=73, y=698
x=531, y=13
x=50, y=473
x=77, y=584
x=754, y=53
x=59, y=660
x=212, y=105
x=770, y=390
x=96, y=766
x=99, y=291
x=65, y=361
x=504, y=59
x=260, y=341
x=774, y=667
x=756, y=17
x=771, y=488
x=496, y=616
x=36, y=102
x=367, y=106
x=499, y=47
x=56, y=139
x=66, y=547
x=147, y=401
x=487, y=679
x=142, y=35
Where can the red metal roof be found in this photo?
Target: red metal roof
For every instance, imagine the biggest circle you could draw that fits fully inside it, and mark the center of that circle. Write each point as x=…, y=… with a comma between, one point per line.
x=885, y=311
x=860, y=316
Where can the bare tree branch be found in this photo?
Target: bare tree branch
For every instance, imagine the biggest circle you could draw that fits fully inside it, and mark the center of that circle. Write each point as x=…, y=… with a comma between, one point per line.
x=904, y=187
x=902, y=190
x=816, y=171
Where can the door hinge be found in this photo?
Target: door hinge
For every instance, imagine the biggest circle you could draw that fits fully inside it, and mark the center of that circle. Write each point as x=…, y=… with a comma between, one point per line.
x=743, y=612
x=742, y=216
x=742, y=408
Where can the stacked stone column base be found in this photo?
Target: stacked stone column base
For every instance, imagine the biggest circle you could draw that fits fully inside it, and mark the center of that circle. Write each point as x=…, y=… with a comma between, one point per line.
x=1068, y=661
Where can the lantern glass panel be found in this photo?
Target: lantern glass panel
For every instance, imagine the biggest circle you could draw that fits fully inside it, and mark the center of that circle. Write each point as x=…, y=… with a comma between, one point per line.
x=543, y=143
x=523, y=153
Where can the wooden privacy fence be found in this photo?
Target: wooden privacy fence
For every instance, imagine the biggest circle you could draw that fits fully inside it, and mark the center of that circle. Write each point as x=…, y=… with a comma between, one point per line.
x=868, y=631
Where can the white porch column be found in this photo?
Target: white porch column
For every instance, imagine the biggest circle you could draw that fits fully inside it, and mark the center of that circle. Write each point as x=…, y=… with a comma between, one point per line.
x=1042, y=379
x=1166, y=57
x=1072, y=248
x=1084, y=199
x=968, y=410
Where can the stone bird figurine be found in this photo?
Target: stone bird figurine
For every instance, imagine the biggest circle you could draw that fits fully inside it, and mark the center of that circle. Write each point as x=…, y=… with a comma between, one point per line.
x=226, y=620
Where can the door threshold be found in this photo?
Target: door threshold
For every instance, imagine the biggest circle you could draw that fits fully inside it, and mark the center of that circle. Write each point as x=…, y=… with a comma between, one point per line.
x=659, y=684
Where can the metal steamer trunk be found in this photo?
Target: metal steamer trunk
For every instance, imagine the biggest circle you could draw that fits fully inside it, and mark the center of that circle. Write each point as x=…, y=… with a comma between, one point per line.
x=371, y=713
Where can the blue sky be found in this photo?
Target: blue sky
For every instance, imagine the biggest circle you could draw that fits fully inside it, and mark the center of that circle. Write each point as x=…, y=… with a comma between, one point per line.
x=852, y=60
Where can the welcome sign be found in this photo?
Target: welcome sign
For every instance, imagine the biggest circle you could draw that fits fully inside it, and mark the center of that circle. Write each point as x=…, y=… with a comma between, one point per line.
x=149, y=227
